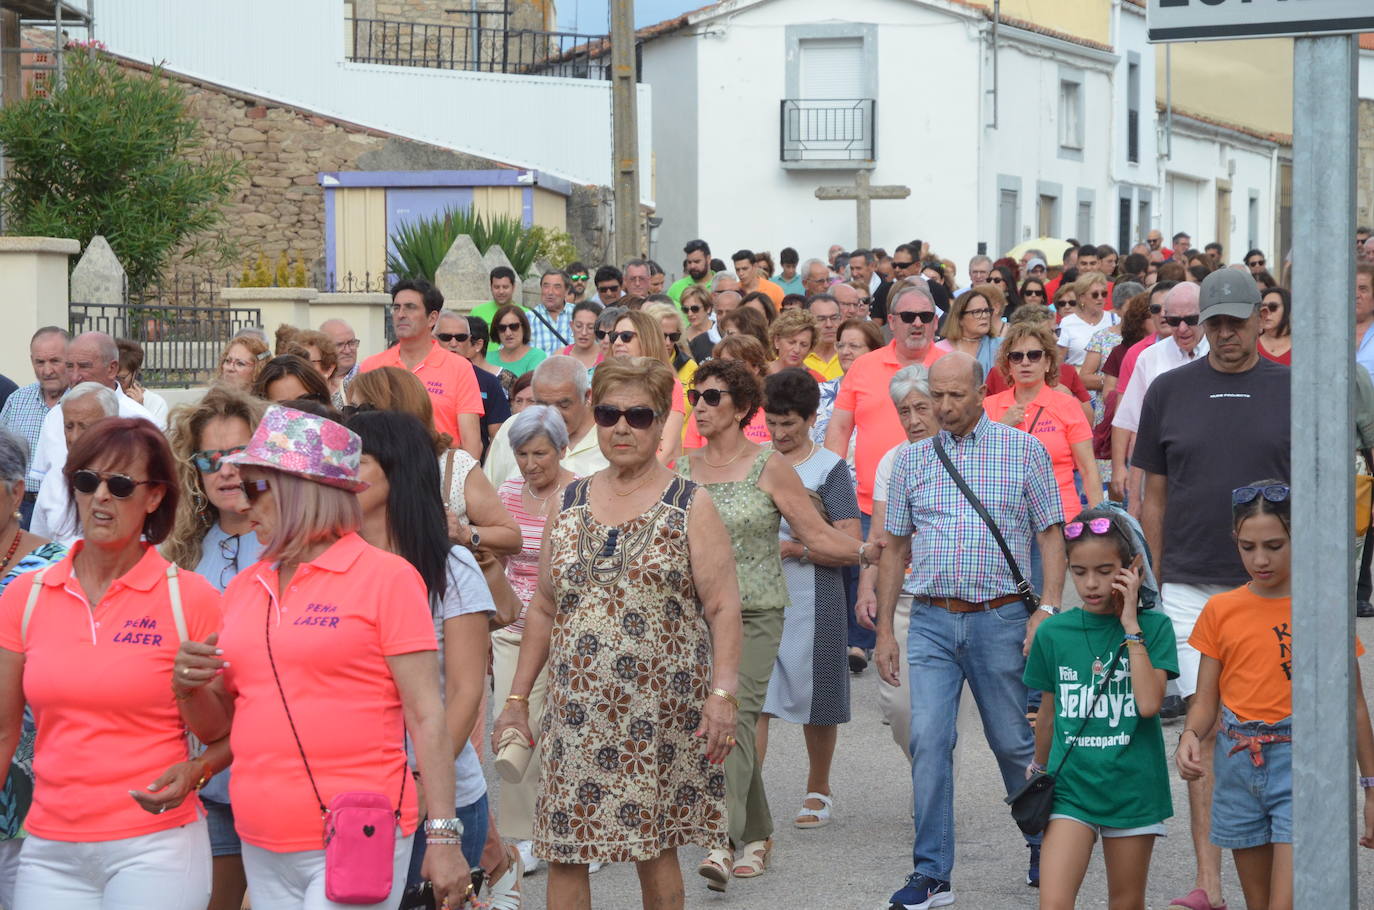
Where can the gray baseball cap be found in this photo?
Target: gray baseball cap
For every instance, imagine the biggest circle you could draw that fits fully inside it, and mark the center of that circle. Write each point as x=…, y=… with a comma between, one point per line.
x=1228, y=292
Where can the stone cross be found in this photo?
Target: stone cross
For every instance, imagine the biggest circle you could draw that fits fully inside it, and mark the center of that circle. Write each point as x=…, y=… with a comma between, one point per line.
x=863, y=193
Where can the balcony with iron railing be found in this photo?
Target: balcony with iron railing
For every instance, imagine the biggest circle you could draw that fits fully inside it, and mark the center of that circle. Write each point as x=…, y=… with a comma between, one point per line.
x=483, y=44
x=827, y=132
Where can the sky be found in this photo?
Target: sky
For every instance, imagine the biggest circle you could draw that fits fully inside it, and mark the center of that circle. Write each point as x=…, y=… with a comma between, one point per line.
x=589, y=16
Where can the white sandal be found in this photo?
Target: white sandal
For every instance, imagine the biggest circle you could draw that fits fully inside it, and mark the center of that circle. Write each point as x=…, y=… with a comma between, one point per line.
x=821, y=816
x=715, y=868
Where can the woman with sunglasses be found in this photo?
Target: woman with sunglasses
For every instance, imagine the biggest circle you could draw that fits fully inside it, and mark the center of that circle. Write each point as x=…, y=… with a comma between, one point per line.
x=88, y=645
x=1076, y=329
x=969, y=325
x=636, y=617
x=1105, y=340
x=1276, y=330
x=514, y=354
x=584, y=347
x=1003, y=277
x=325, y=663
x=214, y=538
x=754, y=491
x=674, y=325
x=291, y=378
x=701, y=331
x=745, y=349
x=1033, y=291
x=1065, y=300
x=637, y=334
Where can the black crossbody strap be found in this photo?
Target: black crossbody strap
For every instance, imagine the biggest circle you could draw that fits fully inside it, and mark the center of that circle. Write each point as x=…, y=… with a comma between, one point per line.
x=1092, y=706
x=1023, y=587
x=549, y=325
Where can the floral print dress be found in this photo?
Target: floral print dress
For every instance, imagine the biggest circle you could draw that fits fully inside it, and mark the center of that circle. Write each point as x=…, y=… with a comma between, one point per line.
x=624, y=778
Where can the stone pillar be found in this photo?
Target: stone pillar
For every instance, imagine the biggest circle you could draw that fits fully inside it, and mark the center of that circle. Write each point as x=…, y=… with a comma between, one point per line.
x=33, y=286
x=98, y=277
x=462, y=277
x=277, y=305
x=366, y=313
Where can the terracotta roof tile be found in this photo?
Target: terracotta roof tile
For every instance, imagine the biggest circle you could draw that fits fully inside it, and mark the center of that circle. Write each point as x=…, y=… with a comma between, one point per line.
x=1279, y=138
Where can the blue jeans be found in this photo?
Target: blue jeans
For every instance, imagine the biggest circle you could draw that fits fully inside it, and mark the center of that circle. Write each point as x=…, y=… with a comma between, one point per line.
x=474, y=818
x=943, y=650
x=858, y=636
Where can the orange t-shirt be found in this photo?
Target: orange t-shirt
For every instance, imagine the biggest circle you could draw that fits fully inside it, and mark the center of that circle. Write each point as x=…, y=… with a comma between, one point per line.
x=774, y=292
x=863, y=392
x=448, y=378
x=1059, y=426
x=1252, y=638
x=345, y=612
x=99, y=681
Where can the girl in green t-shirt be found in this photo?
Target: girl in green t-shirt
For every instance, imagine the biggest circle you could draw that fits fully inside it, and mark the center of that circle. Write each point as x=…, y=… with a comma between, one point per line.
x=1102, y=670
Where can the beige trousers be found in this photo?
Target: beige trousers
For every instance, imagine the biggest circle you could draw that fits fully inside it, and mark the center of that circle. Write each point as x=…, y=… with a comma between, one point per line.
x=515, y=811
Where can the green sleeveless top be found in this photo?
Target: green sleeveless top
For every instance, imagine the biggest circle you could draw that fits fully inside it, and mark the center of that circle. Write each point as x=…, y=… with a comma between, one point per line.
x=752, y=518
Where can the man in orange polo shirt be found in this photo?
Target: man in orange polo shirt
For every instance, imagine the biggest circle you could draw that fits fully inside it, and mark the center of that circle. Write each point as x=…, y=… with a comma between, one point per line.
x=751, y=279
x=863, y=399
x=448, y=378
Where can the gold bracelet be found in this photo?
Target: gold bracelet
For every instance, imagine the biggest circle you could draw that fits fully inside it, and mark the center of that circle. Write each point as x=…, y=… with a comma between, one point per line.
x=524, y=698
x=727, y=696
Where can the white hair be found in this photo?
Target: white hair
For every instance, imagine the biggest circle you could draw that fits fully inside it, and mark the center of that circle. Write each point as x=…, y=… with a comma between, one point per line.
x=104, y=396
x=561, y=368
x=911, y=378
x=539, y=420
x=14, y=458
x=722, y=276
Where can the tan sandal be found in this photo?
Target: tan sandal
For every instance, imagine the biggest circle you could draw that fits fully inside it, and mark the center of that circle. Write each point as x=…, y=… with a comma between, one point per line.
x=715, y=868
x=756, y=855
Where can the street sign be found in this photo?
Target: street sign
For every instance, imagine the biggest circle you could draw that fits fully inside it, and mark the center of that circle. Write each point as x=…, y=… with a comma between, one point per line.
x=1206, y=20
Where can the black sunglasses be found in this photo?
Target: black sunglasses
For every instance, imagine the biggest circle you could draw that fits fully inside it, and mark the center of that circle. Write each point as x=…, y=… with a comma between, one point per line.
x=121, y=486
x=608, y=289
x=1032, y=292
x=1030, y=356
x=1176, y=321
x=209, y=461
x=509, y=327
x=449, y=337
x=1156, y=309
x=1254, y=262
x=672, y=337
x=625, y=337
x=926, y=316
x=902, y=265
x=255, y=488
x=710, y=396
x=694, y=308
x=639, y=417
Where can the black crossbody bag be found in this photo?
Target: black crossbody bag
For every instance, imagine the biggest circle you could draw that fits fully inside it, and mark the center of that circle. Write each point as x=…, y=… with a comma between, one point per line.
x=1023, y=587
x=1032, y=803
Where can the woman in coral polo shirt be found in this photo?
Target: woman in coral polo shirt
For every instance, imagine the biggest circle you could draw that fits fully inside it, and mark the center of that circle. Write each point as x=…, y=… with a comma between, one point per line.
x=327, y=660
x=88, y=644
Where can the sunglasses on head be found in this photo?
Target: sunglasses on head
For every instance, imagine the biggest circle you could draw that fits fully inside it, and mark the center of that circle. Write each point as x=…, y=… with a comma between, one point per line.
x=1274, y=492
x=909, y=317
x=710, y=396
x=1029, y=356
x=121, y=486
x=253, y=489
x=639, y=417
x=450, y=337
x=672, y=337
x=209, y=461
x=1176, y=321
x=1099, y=526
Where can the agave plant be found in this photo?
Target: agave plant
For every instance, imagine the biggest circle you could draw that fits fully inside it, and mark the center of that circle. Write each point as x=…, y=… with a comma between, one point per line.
x=420, y=246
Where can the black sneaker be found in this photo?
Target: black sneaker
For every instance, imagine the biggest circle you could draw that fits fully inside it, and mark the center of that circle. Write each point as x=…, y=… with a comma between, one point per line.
x=1172, y=708
x=1364, y=609
x=1033, y=871
x=922, y=892
x=858, y=660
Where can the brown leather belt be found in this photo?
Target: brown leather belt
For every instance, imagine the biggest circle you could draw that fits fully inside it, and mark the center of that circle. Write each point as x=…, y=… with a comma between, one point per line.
x=955, y=605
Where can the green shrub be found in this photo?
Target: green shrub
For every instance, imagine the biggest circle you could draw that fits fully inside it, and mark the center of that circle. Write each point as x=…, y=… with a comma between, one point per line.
x=421, y=245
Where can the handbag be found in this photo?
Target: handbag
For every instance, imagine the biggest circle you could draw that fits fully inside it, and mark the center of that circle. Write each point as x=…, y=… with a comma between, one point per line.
x=359, y=827
x=1023, y=587
x=1364, y=495
x=1032, y=802
x=508, y=603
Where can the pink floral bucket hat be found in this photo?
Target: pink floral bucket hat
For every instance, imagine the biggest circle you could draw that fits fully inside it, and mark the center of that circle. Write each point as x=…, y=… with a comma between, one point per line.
x=302, y=444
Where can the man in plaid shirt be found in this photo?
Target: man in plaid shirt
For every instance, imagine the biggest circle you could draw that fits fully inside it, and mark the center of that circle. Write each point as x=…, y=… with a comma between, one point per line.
x=551, y=317
x=967, y=621
x=25, y=409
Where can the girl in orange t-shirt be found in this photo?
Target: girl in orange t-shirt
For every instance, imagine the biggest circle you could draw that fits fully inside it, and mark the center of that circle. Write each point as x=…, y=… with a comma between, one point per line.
x=1245, y=639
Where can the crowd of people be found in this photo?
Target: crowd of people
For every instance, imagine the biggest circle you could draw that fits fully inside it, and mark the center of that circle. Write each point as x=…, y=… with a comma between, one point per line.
x=258, y=645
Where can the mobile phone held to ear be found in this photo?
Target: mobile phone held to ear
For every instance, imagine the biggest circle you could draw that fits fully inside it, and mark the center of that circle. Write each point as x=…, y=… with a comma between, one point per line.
x=1118, y=602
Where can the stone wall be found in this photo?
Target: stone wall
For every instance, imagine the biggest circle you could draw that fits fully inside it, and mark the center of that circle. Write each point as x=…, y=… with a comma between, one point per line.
x=1364, y=167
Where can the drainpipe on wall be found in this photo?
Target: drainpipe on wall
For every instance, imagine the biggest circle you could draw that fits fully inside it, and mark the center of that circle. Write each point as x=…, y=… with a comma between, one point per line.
x=996, y=19
x=1169, y=102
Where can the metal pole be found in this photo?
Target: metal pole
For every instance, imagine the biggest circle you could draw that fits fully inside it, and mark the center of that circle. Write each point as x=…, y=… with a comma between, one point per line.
x=996, y=20
x=624, y=131
x=1169, y=101
x=1323, y=521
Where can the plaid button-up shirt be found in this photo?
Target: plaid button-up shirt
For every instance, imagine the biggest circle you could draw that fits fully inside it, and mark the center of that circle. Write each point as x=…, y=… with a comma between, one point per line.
x=952, y=552
x=541, y=337
x=23, y=414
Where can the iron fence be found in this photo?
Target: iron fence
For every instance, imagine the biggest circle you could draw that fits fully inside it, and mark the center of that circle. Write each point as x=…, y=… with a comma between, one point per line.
x=182, y=344
x=485, y=44
x=828, y=130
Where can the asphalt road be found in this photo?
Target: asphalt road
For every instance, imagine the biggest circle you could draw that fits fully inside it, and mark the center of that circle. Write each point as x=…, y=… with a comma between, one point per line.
x=865, y=853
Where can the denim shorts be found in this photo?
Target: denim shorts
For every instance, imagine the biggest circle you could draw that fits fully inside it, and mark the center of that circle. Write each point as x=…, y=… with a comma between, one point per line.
x=224, y=840
x=1252, y=805
x=1157, y=829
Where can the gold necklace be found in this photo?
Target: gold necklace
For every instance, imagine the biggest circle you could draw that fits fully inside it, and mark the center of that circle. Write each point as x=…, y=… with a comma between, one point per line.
x=738, y=455
x=635, y=489
x=541, y=498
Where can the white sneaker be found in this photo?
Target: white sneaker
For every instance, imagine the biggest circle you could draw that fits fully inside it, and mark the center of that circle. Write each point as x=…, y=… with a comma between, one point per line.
x=531, y=862
x=593, y=868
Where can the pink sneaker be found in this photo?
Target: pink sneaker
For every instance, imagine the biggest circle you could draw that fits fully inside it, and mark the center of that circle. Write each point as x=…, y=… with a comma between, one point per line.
x=1195, y=900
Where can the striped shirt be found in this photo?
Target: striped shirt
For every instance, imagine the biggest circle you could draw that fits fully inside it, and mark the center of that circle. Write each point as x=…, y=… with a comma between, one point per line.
x=522, y=569
x=23, y=414
x=952, y=552
x=541, y=337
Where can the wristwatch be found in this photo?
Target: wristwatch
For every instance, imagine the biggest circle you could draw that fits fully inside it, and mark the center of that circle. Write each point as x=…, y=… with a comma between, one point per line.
x=1049, y=608
x=451, y=827
x=474, y=540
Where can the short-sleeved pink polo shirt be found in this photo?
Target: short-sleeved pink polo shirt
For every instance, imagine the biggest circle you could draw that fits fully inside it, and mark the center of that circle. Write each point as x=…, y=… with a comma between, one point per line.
x=447, y=378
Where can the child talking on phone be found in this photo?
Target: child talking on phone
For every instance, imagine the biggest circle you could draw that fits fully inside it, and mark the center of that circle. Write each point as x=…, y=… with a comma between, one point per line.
x=1102, y=670
x=1245, y=639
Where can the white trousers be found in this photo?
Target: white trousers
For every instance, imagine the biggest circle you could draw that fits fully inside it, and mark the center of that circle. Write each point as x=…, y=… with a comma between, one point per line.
x=295, y=881
x=169, y=870
x=1183, y=605
x=895, y=701
x=9, y=869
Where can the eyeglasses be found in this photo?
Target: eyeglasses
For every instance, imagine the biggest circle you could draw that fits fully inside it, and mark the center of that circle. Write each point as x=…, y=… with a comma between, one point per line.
x=253, y=489
x=1176, y=321
x=235, y=363
x=450, y=337
x=508, y=327
x=1274, y=492
x=1032, y=292
x=710, y=396
x=229, y=551
x=209, y=461
x=1029, y=356
x=981, y=311
x=1156, y=309
x=582, y=277
x=693, y=309
x=1099, y=526
x=926, y=316
x=121, y=486
x=625, y=337
x=1254, y=262
x=672, y=337
x=639, y=417
x=347, y=345
x=833, y=317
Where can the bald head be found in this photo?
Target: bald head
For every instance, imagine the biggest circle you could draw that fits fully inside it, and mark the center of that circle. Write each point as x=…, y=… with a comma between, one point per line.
x=92, y=357
x=958, y=366
x=957, y=390
x=345, y=343
x=1182, y=303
